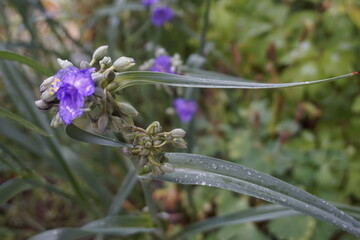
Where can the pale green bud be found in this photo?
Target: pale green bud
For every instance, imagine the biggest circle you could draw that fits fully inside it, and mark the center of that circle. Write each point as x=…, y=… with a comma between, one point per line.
x=64, y=63
x=105, y=62
x=115, y=124
x=112, y=86
x=98, y=77
x=48, y=96
x=41, y=104
x=167, y=167
x=100, y=52
x=102, y=123
x=123, y=63
x=127, y=109
x=56, y=121
x=179, y=143
x=127, y=120
x=178, y=133
x=153, y=128
x=46, y=83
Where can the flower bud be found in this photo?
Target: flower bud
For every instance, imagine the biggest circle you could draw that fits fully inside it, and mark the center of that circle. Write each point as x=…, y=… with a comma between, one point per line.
x=127, y=109
x=178, y=133
x=167, y=167
x=115, y=124
x=123, y=63
x=179, y=143
x=112, y=86
x=84, y=65
x=153, y=128
x=100, y=52
x=42, y=105
x=46, y=83
x=127, y=120
x=47, y=96
x=105, y=62
x=64, y=63
x=110, y=76
x=56, y=121
x=98, y=77
x=102, y=123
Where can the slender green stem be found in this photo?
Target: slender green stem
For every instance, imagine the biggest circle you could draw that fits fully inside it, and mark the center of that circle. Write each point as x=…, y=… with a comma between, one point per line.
x=146, y=186
x=204, y=28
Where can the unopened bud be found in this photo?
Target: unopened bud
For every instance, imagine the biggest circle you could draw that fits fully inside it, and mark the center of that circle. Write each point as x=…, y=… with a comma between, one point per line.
x=102, y=123
x=48, y=96
x=178, y=133
x=127, y=120
x=56, y=121
x=127, y=109
x=153, y=128
x=105, y=62
x=98, y=77
x=41, y=104
x=167, y=167
x=112, y=86
x=115, y=124
x=84, y=65
x=179, y=143
x=46, y=83
x=64, y=63
x=110, y=76
x=100, y=52
x=123, y=63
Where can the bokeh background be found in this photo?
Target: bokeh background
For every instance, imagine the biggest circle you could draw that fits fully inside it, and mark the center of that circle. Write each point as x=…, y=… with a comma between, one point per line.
x=307, y=136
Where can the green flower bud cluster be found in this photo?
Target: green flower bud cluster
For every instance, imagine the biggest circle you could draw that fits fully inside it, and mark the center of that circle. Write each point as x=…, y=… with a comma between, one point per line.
x=149, y=147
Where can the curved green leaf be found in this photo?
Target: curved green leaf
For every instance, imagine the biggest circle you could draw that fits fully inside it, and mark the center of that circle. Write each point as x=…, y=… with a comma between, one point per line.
x=88, y=137
x=255, y=214
x=11, y=188
x=114, y=225
x=7, y=55
x=127, y=79
x=202, y=170
x=22, y=121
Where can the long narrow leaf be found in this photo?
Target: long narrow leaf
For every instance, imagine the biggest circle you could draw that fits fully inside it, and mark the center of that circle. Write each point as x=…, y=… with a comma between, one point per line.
x=88, y=137
x=127, y=79
x=7, y=55
x=202, y=170
x=22, y=121
x=256, y=214
x=114, y=225
x=12, y=187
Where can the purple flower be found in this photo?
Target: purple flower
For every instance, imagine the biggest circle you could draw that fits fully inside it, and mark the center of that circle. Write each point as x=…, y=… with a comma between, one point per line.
x=185, y=109
x=161, y=15
x=162, y=64
x=148, y=3
x=71, y=86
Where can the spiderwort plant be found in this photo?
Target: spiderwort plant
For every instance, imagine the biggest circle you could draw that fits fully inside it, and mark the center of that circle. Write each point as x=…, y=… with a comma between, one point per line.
x=72, y=91
x=160, y=15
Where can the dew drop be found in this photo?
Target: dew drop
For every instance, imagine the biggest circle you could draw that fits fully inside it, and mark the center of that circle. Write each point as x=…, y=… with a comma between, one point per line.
x=203, y=183
x=249, y=173
x=214, y=166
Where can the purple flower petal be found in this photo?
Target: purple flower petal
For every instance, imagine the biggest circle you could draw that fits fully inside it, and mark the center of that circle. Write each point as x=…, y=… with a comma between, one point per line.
x=148, y=3
x=185, y=109
x=162, y=64
x=161, y=15
x=71, y=86
x=70, y=103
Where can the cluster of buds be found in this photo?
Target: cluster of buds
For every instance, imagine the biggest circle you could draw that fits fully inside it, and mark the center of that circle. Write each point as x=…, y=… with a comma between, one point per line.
x=73, y=91
x=163, y=63
x=91, y=90
x=149, y=147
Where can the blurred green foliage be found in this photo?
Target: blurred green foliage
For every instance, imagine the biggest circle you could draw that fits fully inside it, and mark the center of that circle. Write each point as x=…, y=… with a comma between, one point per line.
x=307, y=136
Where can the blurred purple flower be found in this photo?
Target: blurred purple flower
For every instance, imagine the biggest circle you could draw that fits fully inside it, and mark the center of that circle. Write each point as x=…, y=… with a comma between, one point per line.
x=161, y=15
x=71, y=86
x=162, y=64
x=148, y=3
x=185, y=109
